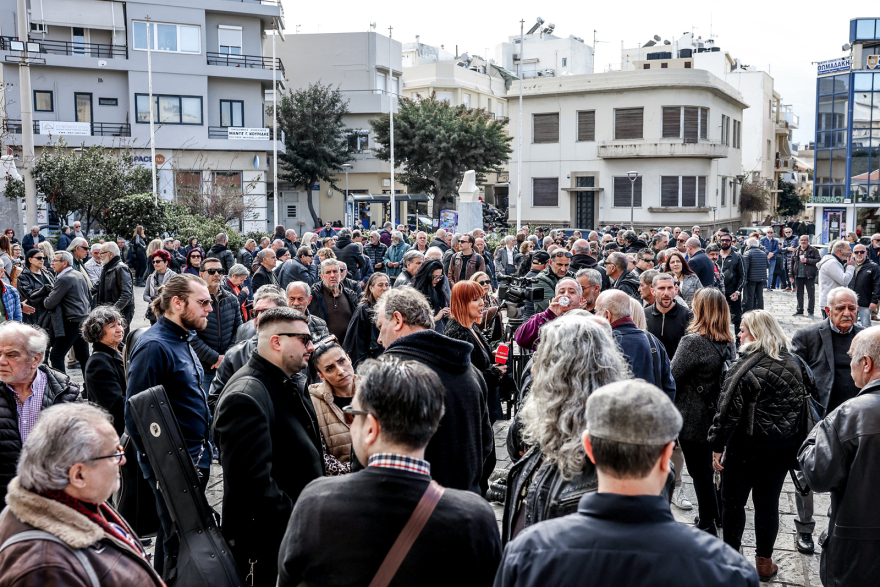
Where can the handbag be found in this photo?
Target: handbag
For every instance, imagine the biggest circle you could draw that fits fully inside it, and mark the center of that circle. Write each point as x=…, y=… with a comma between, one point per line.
x=408, y=535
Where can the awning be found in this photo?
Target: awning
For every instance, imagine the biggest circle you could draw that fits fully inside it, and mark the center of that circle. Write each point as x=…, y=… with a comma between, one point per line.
x=382, y=198
x=89, y=14
x=501, y=185
x=583, y=189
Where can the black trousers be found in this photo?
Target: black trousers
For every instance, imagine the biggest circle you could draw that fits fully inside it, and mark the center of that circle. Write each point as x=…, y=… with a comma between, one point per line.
x=736, y=314
x=801, y=283
x=167, y=541
x=698, y=456
x=72, y=339
x=761, y=472
x=753, y=296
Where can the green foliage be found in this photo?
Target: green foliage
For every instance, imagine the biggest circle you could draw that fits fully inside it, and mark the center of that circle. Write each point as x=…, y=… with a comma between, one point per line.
x=789, y=203
x=437, y=142
x=14, y=189
x=182, y=225
x=315, y=137
x=257, y=235
x=753, y=197
x=127, y=212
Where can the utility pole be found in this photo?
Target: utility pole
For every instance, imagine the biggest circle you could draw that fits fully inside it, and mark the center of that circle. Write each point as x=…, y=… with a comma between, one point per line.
x=275, y=195
x=522, y=51
x=152, y=127
x=27, y=121
x=391, y=136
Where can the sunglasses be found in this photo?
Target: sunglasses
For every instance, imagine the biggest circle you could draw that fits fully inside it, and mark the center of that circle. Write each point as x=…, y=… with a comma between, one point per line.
x=203, y=303
x=157, y=261
x=304, y=338
x=557, y=254
x=682, y=240
x=195, y=256
x=35, y=258
x=484, y=282
x=214, y=271
x=648, y=259
x=350, y=413
x=117, y=455
x=859, y=252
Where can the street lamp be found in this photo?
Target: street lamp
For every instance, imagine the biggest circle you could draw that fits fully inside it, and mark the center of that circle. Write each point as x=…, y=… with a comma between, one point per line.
x=350, y=223
x=633, y=176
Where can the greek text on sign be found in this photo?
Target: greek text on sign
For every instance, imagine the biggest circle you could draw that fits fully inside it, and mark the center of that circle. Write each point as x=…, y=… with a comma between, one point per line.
x=54, y=127
x=249, y=134
x=873, y=62
x=834, y=65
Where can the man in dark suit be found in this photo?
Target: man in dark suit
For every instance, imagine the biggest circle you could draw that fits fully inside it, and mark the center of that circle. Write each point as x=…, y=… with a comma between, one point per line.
x=824, y=346
x=71, y=300
x=699, y=262
x=265, y=273
x=395, y=411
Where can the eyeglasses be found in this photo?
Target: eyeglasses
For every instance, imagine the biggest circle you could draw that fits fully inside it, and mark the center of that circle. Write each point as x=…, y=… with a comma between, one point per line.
x=484, y=283
x=158, y=261
x=214, y=271
x=203, y=303
x=195, y=256
x=117, y=455
x=35, y=258
x=648, y=259
x=557, y=254
x=304, y=338
x=682, y=240
x=859, y=252
x=350, y=413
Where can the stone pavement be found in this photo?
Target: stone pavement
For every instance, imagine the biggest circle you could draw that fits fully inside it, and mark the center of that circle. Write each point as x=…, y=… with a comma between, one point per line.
x=795, y=569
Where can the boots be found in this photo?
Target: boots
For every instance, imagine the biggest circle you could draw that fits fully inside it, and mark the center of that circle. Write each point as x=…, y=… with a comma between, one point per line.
x=767, y=569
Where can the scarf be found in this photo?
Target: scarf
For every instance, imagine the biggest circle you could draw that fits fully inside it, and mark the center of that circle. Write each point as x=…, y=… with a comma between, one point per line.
x=100, y=514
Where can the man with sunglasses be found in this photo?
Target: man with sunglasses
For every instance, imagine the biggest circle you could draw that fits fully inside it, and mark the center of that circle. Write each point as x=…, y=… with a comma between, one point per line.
x=211, y=343
x=270, y=447
x=730, y=264
x=865, y=283
x=466, y=261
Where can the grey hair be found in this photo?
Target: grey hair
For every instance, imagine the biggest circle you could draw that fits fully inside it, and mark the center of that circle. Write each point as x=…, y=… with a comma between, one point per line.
x=77, y=242
x=238, y=269
x=694, y=243
x=509, y=238
x=593, y=276
x=66, y=257
x=753, y=242
x=661, y=277
x=96, y=247
x=434, y=250
x=455, y=239
x=261, y=256
x=837, y=246
x=574, y=281
x=766, y=331
x=647, y=277
x=410, y=255
x=629, y=235
x=411, y=303
x=271, y=292
x=617, y=259
x=577, y=355
x=34, y=339
x=65, y=434
x=867, y=344
x=221, y=238
x=580, y=246
x=345, y=232
x=837, y=292
x=111, y=247
x=93, y=326
x=326, y=263
x=396, y=234
x=299, y=285
x=615, y=302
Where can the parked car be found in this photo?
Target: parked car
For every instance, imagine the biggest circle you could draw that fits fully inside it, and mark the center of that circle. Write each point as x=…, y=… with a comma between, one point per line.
x=745, y=231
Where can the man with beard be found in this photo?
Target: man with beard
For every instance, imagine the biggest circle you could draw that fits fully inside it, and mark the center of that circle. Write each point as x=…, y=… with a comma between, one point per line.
x=163, y=356
x=331, y=301
x=211, y=343
x=269, y=446
x=299, y=296
x=666, y=319
x=733, y=272
x=591, y=283
x=660, y=242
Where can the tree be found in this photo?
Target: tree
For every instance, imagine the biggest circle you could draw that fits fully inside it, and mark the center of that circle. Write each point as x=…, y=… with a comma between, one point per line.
x=790, y=202
x=437, y=142
x=132, y=210
x=315, y=137
x=753, y=197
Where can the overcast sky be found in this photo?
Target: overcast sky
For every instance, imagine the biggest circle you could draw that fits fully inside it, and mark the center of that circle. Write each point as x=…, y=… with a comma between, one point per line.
x=782, y=39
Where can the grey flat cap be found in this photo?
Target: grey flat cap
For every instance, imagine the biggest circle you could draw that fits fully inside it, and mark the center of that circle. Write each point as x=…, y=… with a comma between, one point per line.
x=632, y=412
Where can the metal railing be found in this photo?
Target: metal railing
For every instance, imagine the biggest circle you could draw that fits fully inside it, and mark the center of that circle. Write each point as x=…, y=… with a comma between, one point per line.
x=97, y=50
x=246, y=61
x=99, y=129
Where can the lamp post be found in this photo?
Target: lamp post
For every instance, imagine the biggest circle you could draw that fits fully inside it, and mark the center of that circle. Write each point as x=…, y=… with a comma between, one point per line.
x=27, y=122
x=350, y=221
x=633, y=176
x=391, y=123
x=152, y=127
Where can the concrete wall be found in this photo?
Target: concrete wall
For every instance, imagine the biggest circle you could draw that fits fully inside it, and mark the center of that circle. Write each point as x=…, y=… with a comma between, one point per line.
x=549, y=52
x=447, y=76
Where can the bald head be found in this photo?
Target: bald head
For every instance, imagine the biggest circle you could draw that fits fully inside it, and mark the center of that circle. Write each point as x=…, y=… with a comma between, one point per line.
x=693, y=244
x=613, y=304
x=580, y=246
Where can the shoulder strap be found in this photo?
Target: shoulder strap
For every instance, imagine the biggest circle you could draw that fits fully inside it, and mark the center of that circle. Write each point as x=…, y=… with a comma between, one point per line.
x=41, y=535
x=408, y=535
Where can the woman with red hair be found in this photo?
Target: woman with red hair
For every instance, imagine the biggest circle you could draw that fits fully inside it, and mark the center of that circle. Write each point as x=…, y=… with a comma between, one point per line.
x=161, y=261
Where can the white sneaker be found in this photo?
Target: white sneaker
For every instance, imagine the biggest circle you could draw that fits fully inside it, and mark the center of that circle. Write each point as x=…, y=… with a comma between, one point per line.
x=681, y=501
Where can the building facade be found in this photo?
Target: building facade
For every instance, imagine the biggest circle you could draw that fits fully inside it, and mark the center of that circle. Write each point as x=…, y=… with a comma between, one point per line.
x=582, y=134
x=209, y=74
x=846, y=182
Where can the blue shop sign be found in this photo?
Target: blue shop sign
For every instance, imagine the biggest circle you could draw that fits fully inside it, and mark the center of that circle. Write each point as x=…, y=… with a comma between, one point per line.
x=834, y=65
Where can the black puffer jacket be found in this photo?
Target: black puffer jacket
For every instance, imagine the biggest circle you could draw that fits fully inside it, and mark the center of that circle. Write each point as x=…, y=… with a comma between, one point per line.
x=59, y=390
x=223, y=253
x=223, y=323
x=115, y=288
x=760, y=402
x=35, y=290
x=349, y=253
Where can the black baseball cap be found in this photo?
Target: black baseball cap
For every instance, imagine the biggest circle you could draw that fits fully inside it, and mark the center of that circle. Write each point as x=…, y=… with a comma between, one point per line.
x=540, y=257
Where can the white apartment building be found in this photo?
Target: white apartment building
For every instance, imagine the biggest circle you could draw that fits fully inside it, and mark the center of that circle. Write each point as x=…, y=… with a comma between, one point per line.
x=680, y=129
x=543, y=54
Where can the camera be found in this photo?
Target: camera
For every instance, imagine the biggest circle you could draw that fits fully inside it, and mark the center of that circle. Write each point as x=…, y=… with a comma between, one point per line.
x=518, y=290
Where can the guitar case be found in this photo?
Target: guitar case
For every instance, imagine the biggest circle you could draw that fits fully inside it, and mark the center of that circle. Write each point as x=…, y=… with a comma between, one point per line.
x=204, y=559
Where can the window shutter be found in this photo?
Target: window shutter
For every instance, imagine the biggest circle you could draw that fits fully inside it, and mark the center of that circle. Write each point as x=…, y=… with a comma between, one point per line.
x=671, y=122
x=546, y=128
x=723, y=191
x=704, y=123
x=733, y=194
x=623, y=192
x=669, y=191
x=587, y=125
x=688, y=191
x=691, y=123
x=701, y=191
x=728, y=132
x=628, y=123
x=545, y=191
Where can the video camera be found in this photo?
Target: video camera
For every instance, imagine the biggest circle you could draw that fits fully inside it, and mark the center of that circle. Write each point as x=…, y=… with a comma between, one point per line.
x=518, y=290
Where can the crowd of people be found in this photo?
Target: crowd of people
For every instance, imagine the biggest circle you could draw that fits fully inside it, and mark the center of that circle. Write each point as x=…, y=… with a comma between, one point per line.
x=348, y=382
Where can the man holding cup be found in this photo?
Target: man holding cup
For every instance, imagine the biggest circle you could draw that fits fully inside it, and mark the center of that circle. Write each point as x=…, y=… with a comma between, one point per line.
x=802, y=273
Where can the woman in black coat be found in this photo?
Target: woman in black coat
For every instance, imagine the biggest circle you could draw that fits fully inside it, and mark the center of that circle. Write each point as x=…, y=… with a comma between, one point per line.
x=362, y=337
x=429, y=281
x=139, y=255
x=104, y=374
x=34, y=284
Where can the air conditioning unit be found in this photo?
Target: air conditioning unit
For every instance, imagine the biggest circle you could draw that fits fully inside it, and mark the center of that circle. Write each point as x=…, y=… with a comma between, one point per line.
x=549, y=72
x=516, y=56
x=39, y=27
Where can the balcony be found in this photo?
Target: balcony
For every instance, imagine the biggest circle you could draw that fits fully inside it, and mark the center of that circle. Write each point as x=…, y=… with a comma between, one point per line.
x=244, y=61
x=98, y=129
x=629, y=149
x=96, y=50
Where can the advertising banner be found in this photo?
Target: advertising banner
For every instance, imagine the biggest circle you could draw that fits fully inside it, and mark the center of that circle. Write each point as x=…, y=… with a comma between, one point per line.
x=249, y=134
x=55, y=127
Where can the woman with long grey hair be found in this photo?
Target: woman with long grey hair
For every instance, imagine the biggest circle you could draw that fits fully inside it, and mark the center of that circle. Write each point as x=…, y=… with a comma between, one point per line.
x=577, y=355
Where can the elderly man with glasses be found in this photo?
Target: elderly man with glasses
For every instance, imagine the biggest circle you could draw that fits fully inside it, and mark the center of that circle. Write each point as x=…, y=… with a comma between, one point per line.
x=865, y=283
x=69, y=301
x=115, y=286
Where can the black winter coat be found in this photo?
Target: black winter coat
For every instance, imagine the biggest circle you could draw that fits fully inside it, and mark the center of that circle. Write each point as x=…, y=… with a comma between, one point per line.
x=755, y=264
x=225, y=256
x=696, y=368
x=704, y=268
x=362, y=339
x=866, y=283
x=319, y=308
x=375, y=254
x=219, y=335
x=246, y=258
x=105, y=383
x=669, y=327
x=733, y=270
x=34, y=288
x=266, y=431
x=815, y=345
x=262, y=276
x=464, y=439
x=59, y=390
x=349, y=253
x=294, y=270
x=115, y=288
x=813, y=257
x=436, y=242
x=483, y=359
x=178, y=261
x=628, y=283
x=584, y=261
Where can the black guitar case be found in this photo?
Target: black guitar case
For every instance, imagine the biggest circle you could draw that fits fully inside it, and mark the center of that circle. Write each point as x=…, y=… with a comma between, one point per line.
x=205, y=559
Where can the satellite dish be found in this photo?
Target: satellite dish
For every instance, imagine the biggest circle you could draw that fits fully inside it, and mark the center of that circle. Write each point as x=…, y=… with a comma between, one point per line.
x=846, y=47
x=373, y=25
x=657, y=37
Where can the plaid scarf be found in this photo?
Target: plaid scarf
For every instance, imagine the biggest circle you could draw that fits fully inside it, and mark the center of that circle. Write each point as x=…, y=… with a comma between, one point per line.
x=102, y=515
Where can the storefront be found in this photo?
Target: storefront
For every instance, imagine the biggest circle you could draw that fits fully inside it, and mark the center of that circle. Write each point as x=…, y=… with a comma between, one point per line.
x=832, y=224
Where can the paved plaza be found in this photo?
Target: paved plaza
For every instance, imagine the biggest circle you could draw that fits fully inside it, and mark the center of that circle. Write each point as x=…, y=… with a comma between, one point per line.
x=794, y=568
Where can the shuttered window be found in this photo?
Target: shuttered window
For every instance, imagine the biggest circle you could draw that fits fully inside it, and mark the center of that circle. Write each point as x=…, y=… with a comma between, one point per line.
x=701, y=191
x=545, y=128
x=704, y=123
x=723, y=191
x=623, y=192
x=669, y=191
x=587, y=125
x=688, y=191
x=723, y=131
x=671, y=122
x=691, y=124
x=545, y=191
x=733, y=193
x=628, y=123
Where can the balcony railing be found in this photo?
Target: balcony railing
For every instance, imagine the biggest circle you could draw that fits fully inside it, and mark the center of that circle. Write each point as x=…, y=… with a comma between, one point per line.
x=245, y=61
x=637, y=149
x=99, y=129
x=97, y=50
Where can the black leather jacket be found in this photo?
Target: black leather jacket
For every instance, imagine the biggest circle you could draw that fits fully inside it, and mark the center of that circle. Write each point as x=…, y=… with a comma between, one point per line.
x=35, y=291
x=733, y=271
x=115, y=287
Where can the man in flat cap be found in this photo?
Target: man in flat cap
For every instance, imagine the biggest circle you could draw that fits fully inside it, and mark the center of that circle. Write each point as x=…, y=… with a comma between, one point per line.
x=624, y=534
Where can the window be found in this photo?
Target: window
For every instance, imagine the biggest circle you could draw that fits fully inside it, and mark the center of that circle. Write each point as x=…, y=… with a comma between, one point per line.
x=545, y=128
x=769, y=151
x=704, y=123
x=736, y=134
x=545, y=191
x=231, y=113
x=467, y=100
x=646, y=66
x=169, y=109
x=686, y=122
x=291, y=210
x=628, y=123
x=82, y=107
x=170, y=38
x=664, y=66
x=395, y=86
x=79, y=40
x=723, y=191
x=358, y=140
x=229, y=39
x=727, y=132
x=687, y=64
x=188, y=182
x=43, y=101
x=623, y=192
x=500, y=109
x=108, y=102
x=380, y=82
x=564, y=61
x=682, y=191
x=586, y=181
x=227, y=181
x=586, y=125
x=733, y=193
